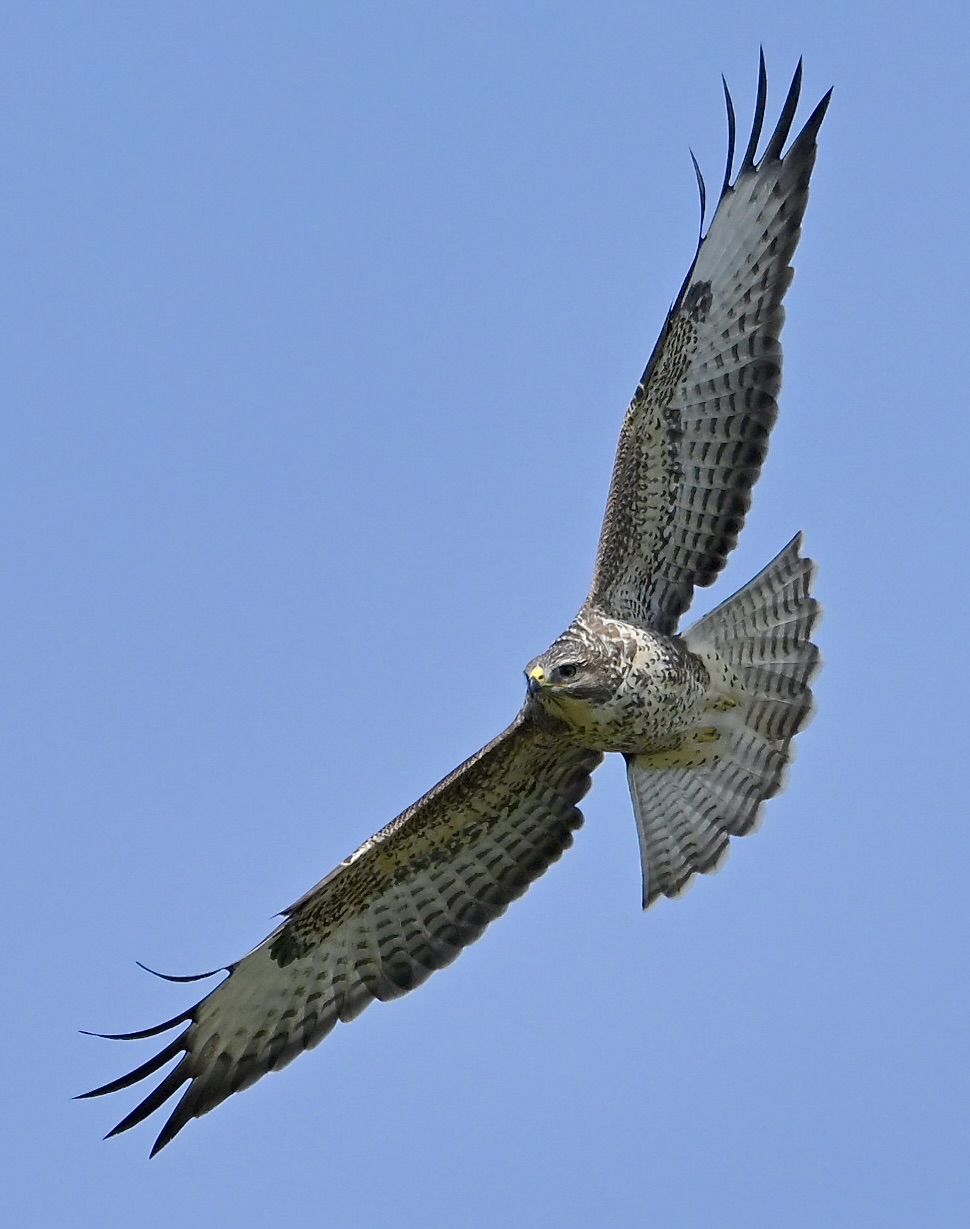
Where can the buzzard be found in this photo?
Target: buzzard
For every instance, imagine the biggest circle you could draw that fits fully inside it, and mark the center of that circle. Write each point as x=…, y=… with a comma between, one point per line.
x=704, y=719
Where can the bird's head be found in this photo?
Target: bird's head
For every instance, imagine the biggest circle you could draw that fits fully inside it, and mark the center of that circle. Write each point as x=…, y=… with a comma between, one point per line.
x=574, y=671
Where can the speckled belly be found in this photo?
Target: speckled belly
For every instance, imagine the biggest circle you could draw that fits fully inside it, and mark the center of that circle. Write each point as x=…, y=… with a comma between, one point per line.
x=663, y=695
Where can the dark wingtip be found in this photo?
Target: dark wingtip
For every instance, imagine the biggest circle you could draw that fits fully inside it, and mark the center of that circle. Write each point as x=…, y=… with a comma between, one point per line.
x=732, y=135
x=702, y=192
x=193, y=1101
x=139, y=1073
x=157, y=1097
x=747, y=162
x=187, y=977
x=141, y=1034
x=168, y=1132
x=814, y=122
x=778, y=138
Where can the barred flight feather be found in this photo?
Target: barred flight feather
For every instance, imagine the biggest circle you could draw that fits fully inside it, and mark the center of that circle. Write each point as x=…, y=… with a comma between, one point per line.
x=685, y=815
x=696, y=434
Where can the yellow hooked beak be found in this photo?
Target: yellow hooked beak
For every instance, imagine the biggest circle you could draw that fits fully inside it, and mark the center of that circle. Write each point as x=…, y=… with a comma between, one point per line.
x=536, y=679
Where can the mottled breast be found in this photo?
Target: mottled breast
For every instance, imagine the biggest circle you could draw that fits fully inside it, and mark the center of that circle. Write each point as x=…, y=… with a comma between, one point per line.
x=656, y=690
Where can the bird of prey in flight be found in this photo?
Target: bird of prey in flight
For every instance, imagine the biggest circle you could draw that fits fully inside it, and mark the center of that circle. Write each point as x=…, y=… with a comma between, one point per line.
x=704, y=718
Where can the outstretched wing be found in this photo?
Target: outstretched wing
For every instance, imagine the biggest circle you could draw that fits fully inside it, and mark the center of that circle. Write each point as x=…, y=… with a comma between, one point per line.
x=403, y=905
x=696, y=433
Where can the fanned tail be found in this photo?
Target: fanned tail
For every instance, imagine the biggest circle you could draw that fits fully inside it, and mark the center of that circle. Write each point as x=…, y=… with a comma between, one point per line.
x=689, y=803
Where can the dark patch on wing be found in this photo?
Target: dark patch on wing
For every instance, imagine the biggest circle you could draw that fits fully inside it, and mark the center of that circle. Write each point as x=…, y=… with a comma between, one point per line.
x=288, y=946
x=697, y=302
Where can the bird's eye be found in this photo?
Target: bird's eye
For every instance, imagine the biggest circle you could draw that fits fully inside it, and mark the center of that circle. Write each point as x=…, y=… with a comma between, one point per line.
x=568, y=670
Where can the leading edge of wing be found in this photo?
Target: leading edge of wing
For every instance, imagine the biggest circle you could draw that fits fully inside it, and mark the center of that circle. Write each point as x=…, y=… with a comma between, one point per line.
x=404, y=906
x=695, y=436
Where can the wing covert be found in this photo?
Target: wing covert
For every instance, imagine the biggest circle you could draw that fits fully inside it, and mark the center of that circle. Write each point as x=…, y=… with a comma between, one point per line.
x=402, y=906
x=696, y=434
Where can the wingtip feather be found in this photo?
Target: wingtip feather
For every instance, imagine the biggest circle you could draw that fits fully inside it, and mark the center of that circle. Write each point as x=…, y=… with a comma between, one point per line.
x=809, y=131
x=732, y=136
x=139, y=1073
x=156, y=1098
x=141, y=1034
x=184, y=977
x=778, y=138
x=702, y=193
x=747, y=162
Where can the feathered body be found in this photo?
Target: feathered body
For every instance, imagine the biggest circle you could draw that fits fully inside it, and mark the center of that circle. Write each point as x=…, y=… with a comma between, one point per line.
x=704, y=719
x=625, y=688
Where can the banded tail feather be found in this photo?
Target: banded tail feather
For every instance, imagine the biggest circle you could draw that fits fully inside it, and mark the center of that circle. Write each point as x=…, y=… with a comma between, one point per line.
x=687, y=811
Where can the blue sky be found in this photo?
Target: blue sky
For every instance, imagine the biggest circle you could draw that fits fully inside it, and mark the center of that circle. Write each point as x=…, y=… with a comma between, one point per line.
x=320, y=324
